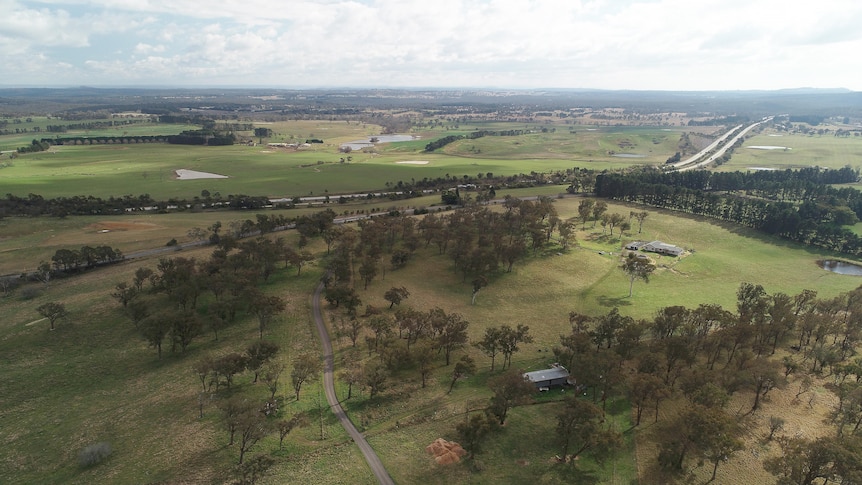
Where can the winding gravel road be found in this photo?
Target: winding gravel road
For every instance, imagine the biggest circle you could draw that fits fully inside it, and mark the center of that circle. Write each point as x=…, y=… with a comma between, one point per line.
x=329, y=386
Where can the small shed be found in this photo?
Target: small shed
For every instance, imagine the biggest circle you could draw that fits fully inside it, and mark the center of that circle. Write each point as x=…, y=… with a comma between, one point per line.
x=546, y=378
x=635, y=245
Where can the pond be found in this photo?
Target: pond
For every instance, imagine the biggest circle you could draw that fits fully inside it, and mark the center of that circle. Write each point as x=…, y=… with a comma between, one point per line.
x=841, y=267
x=628, y=155
x=360, y=144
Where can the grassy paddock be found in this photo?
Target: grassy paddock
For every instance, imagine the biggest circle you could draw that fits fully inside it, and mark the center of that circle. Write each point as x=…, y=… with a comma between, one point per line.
x=94, y=379
x=804, y=151
x=540, y=293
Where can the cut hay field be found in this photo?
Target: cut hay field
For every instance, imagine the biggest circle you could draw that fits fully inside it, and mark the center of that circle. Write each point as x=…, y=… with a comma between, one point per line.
x=804, y=151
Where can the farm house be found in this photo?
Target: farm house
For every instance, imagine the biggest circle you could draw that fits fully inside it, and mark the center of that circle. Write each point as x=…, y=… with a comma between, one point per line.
x=544, y=379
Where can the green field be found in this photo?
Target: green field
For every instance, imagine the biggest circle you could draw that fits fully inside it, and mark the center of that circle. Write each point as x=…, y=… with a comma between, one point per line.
x=803, y=151
x=137, y=128
x=118, y=170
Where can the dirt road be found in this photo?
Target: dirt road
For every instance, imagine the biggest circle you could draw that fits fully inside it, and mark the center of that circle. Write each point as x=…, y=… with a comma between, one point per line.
x=329, y=386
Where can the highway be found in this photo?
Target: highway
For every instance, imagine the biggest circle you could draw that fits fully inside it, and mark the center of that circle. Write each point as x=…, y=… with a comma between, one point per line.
x=688, y=165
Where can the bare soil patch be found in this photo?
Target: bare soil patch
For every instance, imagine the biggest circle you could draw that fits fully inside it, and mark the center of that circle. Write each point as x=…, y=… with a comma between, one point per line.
x=184, y=174
x=414, y=162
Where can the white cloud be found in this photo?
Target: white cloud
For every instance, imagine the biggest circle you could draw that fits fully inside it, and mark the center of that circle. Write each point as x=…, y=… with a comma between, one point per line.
x=635, y=44
x=143, y=48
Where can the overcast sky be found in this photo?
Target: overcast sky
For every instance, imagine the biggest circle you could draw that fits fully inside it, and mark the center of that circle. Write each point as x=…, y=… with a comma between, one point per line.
x=605, y=44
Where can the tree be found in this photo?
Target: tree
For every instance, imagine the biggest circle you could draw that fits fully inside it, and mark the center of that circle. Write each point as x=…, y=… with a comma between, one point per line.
x=645, y=389
x=423, y=354
x=53, y=311
x=259, y=353
x=490, y=344
x=599, y=208
x=452, y=334
x=185, y=326
x=579, y=429
x=721, y=446
x=478, y=283
x=637, y=268
x=8, y=284
x=305, y=369
x=44, y=272
x=396, y=295
x=270, y=375
x=351, y=329
x=124, y=293
x=802, y=461
x=285, y=426
x=511, y=339
x=154, y=330
x=640, y=216
x=228, y=366
x=352, y=373
x=232, y=409
x=142, y=274
x=252, y=426
x=776, y=423
x=382, y=326
x=585, y=209
x=203, y=368
x=473, y=431
x=265, y=308
x=510, y=389
x=374, y=378
x=567, y=234
x=464, y=367
x=762, y=375
x=368, y=270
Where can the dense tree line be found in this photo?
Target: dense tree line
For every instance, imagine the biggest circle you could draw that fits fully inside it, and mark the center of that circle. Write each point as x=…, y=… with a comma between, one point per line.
x=106, y=140
x=441, y=142
x=202, y=137
x=35, y=205
x=93, y=125
x=70, y=260
x=34, y=146
x=795, y=204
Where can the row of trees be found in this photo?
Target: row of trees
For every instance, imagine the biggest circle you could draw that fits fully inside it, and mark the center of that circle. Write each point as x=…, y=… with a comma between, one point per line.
x=70, y=260
x=812, y=213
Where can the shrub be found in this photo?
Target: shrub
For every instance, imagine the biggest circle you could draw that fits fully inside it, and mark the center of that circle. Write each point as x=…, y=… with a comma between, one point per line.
x=94, y=454
x=30, y=292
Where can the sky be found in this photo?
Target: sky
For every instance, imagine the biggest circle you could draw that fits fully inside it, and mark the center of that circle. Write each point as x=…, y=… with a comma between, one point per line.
x=689, y=45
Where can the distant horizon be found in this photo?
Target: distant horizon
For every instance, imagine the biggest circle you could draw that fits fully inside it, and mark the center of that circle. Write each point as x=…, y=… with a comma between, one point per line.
x=803, y=89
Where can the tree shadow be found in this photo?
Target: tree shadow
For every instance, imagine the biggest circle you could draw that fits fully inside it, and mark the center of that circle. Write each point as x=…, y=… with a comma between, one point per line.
x=610, y=302
x=570, y=473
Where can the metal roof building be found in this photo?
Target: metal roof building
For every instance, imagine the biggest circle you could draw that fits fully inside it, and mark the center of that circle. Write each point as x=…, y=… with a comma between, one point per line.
x=555, y=376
